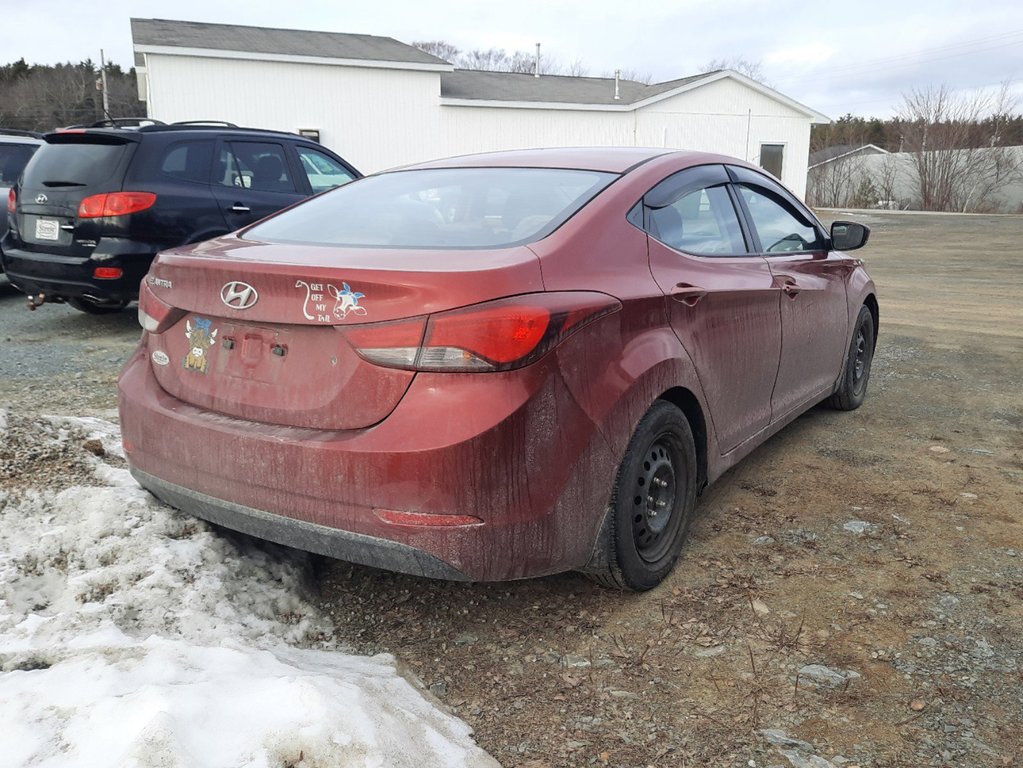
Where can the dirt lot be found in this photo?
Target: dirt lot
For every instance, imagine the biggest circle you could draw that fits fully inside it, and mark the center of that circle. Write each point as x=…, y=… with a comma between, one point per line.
x=852, y=593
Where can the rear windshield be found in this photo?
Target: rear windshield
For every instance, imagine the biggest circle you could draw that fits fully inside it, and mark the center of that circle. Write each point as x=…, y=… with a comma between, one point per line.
x=73, y=165
x=13, y=158
x=438, y=208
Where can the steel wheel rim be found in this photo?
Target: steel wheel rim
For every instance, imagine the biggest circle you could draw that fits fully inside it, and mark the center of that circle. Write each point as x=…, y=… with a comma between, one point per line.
x=861, y=360
x=656, y=492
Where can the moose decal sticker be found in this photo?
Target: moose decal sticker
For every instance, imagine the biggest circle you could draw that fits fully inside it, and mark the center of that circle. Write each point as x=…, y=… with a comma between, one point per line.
x=201, y=337
x=319, y=296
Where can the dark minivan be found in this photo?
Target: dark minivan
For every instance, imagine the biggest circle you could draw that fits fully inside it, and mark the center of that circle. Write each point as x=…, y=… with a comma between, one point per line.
x=95, y=205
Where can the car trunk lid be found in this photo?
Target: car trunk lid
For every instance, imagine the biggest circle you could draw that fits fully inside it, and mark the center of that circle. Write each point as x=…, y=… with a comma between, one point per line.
x=258, y=331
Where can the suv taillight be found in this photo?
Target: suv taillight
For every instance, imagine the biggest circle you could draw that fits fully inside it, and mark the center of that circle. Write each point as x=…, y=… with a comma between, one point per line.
x=494, y=336
x=12, y=201
x=115, y=204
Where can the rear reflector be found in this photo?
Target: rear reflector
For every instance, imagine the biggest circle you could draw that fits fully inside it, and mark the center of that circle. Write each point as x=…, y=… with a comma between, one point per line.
x=12, y=201
x=115, y=204
x=107, y=273
x=494, y=336
x=425, y=519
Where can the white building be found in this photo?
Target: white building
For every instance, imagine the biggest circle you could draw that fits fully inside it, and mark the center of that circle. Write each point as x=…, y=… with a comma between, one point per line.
x=381, y=103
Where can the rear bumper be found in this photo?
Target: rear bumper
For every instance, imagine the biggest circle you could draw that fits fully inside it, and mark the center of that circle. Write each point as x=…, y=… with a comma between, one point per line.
x=58, y=276
x=521, y=458
x=300, y=534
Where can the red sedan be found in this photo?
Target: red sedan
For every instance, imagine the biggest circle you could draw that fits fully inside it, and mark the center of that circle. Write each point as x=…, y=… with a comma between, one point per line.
x=495, y=366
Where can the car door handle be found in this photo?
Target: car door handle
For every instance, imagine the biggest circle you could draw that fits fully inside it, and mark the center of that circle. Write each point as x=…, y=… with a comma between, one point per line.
x=790, y=288
x=239, y=208
x=688, y=294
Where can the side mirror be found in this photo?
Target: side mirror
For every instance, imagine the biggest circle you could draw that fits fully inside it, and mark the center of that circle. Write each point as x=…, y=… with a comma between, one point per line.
x=848, y=235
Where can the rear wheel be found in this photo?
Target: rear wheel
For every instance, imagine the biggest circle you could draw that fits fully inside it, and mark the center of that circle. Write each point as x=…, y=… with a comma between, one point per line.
x=652, y=503
x=94, y=307
x=852, y=389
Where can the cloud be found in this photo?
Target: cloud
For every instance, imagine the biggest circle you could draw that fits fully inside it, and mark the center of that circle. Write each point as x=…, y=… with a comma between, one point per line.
x=805, y=55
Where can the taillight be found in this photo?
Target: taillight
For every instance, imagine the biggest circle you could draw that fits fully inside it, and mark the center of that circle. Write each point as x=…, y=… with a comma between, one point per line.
x=493, y=336
x=115, y=204
x=156, y=315
x=12, y=201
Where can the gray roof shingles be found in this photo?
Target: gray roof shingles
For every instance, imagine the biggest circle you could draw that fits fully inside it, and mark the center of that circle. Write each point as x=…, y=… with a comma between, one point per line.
x=293, y=42
x=513, y=86
x=459, y=84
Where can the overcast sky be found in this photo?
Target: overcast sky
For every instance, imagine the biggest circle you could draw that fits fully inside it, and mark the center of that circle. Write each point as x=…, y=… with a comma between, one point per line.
x=858, y=60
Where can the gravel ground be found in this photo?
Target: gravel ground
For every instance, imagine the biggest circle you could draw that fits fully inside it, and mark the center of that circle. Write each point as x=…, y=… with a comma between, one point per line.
x=58, y=356
x=851, y=594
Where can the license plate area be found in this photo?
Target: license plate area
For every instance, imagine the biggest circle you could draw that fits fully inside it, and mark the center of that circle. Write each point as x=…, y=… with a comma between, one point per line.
x=47, y=229
x=253, y=353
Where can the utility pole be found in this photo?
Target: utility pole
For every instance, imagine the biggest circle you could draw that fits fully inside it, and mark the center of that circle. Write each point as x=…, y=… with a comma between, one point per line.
x=103, y=81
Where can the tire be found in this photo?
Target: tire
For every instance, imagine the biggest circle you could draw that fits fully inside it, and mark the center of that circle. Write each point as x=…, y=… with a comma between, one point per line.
x=852, y=387
x=652, y=502
x=92, y=307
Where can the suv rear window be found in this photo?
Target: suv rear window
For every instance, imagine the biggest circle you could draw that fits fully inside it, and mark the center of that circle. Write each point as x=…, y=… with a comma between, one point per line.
x=73, y=164
x=439, y=208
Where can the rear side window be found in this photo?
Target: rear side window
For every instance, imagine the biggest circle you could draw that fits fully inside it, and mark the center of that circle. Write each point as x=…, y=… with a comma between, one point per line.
x=255, y=165
x=188, y=160
x=702, y=222
x=13, y=159
x=691, y=211
x=73, y=164
x=439, y=208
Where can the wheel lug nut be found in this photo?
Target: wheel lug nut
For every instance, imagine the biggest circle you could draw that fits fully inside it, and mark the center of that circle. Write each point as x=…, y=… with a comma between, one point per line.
x=650, y=499
x=662, y=504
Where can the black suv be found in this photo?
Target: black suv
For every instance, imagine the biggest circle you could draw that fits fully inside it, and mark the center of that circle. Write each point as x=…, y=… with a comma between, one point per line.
x=95, y=205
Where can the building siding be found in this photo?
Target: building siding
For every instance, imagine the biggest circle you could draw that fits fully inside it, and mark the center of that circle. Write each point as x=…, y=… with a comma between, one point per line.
x=382, y=118
x=346, y=104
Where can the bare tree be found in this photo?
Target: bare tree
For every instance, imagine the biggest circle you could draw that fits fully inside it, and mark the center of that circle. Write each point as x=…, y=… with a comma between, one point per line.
x=41, y=97
x=834, y=184
x=632, y=74
x=439, y=48
x=754, y=70
x=577, y=69
x=958, y=156
x=886, y=181
x=492, y=59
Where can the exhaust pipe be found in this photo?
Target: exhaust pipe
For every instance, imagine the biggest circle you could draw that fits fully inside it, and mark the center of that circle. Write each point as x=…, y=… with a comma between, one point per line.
x=35, y=301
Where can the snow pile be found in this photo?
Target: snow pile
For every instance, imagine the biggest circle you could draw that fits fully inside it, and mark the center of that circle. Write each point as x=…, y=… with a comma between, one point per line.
x=132, y=635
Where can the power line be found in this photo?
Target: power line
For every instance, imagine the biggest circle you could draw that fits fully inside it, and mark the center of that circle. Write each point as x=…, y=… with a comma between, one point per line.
x=935, y=53
x=940, y=51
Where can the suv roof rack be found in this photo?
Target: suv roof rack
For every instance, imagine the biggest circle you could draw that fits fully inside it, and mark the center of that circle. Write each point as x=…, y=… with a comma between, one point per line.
x=116, y=122
x=125, y=122
x=208, y=125
x=211, y=123
x=16, y=132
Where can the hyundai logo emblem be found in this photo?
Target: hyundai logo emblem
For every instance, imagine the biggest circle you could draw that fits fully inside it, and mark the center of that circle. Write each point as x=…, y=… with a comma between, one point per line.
x=41, y=198
x=238, y=295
